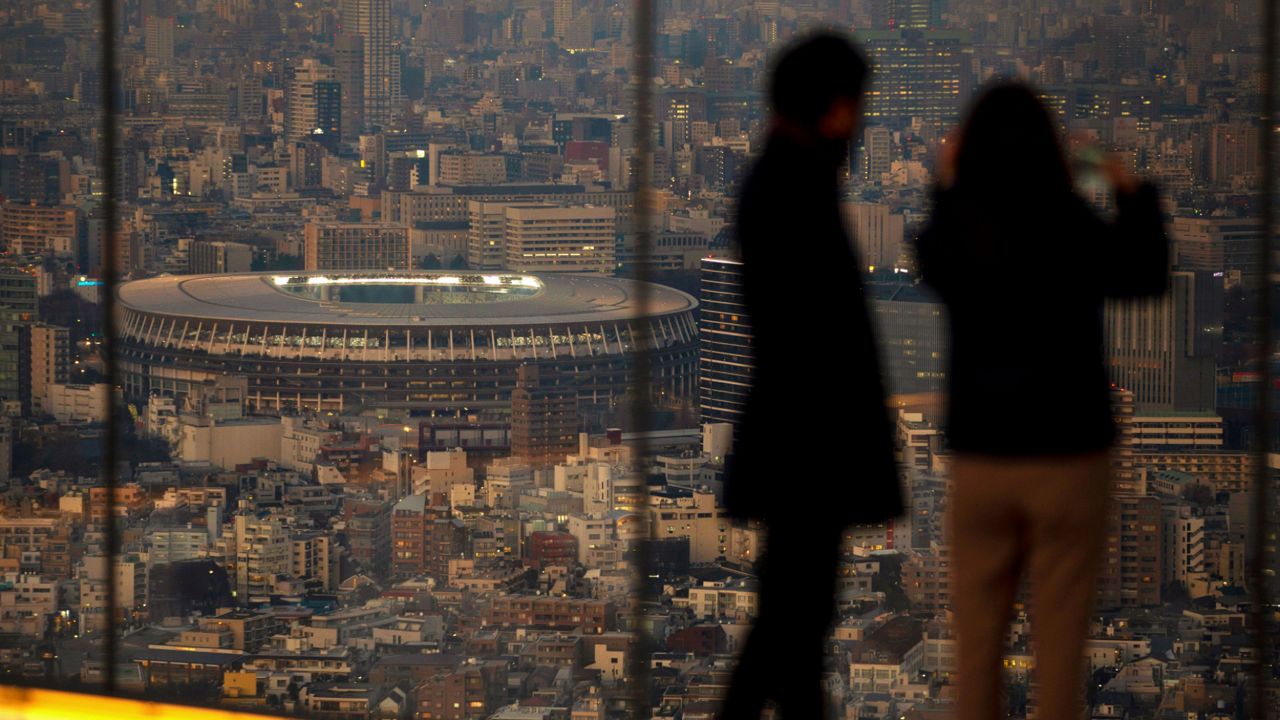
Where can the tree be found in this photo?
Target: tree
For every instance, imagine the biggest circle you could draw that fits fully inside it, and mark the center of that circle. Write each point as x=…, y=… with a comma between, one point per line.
x=458, y=263
x=429, y=262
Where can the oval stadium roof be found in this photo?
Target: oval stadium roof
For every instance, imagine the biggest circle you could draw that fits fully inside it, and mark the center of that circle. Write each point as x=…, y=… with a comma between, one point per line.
x=267, y=297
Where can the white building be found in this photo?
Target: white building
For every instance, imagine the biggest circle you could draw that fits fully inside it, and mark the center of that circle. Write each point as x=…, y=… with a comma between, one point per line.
x=263, y=551
x=300, y=442
x=80, y=403
x=169, y=545
x=307, y=97
x=441, y=471
x=723, y=599
x=229, y=443
x=1183, y=545
x=560, y=238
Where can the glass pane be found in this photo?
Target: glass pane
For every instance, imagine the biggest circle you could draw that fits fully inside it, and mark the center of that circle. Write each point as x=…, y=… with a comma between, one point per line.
x=57, y=569
x=376, y=326
x=1184, y=367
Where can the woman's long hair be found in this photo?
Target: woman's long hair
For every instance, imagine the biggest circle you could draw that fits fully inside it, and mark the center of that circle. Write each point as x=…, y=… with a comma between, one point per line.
x=1010, y=162
x=1013, y=185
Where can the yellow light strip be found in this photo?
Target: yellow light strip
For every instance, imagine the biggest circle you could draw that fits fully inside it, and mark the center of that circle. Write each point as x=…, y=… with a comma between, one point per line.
x=33, y=704
x=528, y=281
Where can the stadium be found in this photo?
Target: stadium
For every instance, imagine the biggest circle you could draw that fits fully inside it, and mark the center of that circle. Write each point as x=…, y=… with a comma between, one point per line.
x=433, y=340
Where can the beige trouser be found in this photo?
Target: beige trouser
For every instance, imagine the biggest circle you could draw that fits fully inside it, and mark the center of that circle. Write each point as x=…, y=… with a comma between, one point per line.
x=1043, y=515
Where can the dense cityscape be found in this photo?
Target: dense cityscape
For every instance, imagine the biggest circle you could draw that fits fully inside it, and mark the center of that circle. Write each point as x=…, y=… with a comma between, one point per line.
x=384, y=278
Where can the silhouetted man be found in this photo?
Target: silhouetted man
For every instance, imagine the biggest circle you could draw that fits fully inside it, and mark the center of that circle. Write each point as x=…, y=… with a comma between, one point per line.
x=814, y=449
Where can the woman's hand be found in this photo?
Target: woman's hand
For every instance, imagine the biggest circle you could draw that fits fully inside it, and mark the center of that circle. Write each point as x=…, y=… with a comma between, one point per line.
x=1114, y=170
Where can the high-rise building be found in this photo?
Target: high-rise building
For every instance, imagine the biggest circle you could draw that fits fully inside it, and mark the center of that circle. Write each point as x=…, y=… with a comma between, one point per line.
x=724, y=334
x=913, y=337
x=262, y=553
x=348, y=60
x=544, y=419
x=19, y=306
x=877, y=153
x=42, y=177
x=1162, y=349
x=158, y=31
x=922, y=75
x=308, y=159
x=551, y=238
x=46, y=355
x=313, y=110
x=1131, y=567
x=562, y=13
x=356, y=246
x=245, y=97
x=369, y=534
x=1120, y=42
x=1184, y=544
x=1232, y=152
x=916, y=14
x=423, y=538
x=371, y=20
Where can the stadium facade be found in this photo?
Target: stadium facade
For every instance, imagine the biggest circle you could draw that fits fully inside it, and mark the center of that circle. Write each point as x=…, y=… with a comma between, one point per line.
x=330, y=341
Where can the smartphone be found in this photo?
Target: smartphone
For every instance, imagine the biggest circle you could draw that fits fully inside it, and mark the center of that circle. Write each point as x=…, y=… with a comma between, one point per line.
x=1087, y=161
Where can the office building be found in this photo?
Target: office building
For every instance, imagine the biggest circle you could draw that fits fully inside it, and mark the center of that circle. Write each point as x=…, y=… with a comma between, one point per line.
x=560, y=238
x=909, y=324
x=219, y=256
x=1162, y=349
x=918, y=75
x=313, y=110
x=458, y=168
x=348, y=60
x=1232, y=153
x=1217, y=245
x=371, y=20
x=487, y=234
x=356, y=246
x=724, y=334
x=877, y=153
x=158, y=39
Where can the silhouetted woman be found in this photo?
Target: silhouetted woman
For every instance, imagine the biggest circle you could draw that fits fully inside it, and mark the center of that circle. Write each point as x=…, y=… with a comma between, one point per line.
x=1023, y=265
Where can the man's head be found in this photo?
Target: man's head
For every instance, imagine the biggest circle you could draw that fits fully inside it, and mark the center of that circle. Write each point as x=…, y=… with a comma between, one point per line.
x=817, y=85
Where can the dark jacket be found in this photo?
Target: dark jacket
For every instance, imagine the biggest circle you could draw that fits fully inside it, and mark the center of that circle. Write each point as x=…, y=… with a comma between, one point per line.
x=815, y=443
x=1024, y=294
